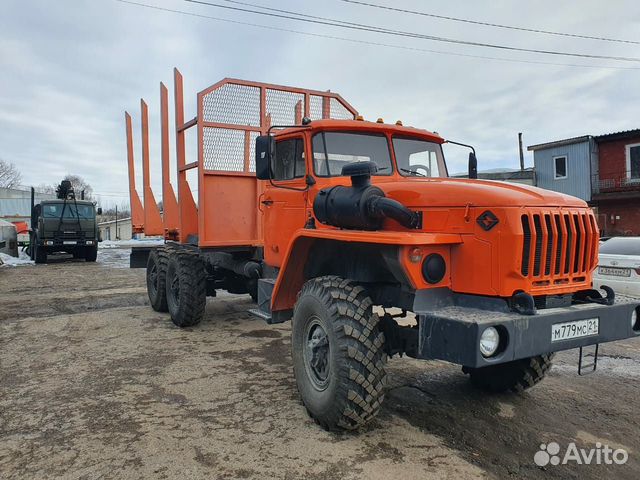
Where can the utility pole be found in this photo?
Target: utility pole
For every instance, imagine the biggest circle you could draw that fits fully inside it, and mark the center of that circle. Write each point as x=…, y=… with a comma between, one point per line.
x=117, y=236
x=521, y=152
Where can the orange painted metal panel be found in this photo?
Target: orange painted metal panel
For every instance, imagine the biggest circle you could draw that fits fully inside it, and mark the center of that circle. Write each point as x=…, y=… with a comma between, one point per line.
x=291, y=278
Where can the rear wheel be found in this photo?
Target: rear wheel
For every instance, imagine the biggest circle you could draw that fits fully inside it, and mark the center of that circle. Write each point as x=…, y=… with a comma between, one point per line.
x=156, y=278
x=338, y=356
x=186, y=288
x=515, y=376
x=91, y=254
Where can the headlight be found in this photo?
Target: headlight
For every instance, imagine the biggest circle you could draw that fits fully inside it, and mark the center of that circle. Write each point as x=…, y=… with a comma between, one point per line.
x=634, y=320
x=489, y=341
x=89, y=242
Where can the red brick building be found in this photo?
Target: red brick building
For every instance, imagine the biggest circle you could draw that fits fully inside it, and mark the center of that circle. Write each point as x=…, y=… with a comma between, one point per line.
x=616, y=183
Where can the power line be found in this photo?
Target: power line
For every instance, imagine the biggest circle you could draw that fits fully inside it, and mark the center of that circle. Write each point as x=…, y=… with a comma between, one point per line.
x=366, y=42
x=290, y=15
x=488, y=24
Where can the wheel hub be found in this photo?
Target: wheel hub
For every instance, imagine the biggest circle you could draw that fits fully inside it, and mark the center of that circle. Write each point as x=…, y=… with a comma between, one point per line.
x=316, y=355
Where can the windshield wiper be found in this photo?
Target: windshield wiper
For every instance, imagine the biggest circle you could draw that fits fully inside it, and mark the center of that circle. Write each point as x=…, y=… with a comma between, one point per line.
x=412, y=172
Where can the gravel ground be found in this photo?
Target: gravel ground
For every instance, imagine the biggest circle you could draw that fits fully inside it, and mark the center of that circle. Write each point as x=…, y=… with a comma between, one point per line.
x=95, y=384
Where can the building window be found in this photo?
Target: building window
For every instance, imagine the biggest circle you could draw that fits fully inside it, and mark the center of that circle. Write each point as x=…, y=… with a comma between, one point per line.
x=633, y=161
x=560, y=167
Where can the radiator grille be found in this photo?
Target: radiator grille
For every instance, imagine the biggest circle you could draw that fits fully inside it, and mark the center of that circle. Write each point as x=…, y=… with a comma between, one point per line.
x=558, y=245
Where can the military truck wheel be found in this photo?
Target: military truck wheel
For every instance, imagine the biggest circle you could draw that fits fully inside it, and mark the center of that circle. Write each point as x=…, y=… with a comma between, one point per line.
x=91, y=254
x=156, y=278
x=40, y=254
x=186, y=288
x=337, y=350
x=515, y=376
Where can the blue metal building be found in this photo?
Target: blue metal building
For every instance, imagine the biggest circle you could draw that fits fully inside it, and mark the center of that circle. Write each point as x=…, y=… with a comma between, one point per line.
x=566, y=166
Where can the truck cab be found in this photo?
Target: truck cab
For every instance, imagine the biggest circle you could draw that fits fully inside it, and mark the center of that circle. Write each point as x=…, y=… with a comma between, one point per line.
x=64, y=225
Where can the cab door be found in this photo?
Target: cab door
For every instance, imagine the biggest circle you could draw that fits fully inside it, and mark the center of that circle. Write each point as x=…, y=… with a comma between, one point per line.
x=284, y=199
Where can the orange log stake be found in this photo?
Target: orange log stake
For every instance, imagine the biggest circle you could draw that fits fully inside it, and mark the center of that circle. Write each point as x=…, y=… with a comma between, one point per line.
x=188, y=211
x=152, y=219
x=170, y=215
x=137, y=212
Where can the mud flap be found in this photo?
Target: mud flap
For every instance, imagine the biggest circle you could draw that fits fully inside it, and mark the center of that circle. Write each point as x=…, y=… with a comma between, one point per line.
x=139, y=257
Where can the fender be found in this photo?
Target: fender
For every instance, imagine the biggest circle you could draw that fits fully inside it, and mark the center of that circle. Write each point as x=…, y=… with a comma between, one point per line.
x=291, y=276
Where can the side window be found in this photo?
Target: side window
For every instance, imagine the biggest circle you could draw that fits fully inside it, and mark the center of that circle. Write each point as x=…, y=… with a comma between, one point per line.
x=289, y=160
x=633, y=159
x=560, y=165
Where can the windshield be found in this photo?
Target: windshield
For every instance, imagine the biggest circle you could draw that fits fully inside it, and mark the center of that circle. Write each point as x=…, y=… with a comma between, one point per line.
x=621, y=246
x=333, y=150
x=54, y=210
x=419, y=158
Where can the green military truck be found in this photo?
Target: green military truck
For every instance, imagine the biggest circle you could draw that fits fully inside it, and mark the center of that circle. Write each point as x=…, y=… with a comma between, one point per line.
x=66, y=224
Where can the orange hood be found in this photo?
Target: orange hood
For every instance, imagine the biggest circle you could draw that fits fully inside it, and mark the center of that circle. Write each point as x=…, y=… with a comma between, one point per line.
x=448, y=192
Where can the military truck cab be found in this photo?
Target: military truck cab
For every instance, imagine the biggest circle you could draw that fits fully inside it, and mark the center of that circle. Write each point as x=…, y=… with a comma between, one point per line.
x=63, y=225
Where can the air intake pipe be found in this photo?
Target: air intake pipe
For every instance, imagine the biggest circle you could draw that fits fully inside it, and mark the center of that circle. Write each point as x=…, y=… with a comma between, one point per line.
x=361, y=206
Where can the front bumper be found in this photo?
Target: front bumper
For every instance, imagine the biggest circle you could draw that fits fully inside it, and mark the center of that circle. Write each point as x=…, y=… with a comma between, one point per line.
x=57, y=242
x=452, y=332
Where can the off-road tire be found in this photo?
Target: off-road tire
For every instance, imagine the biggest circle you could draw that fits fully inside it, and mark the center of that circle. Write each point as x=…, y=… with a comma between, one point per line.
x=515, y=376
x=356, y=376
x=40, y=254
x=157, y=278
x=186, y=304
x=91, y=254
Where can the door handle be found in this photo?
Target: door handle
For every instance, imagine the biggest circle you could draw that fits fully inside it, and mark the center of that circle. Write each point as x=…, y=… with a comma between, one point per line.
x=267, y=202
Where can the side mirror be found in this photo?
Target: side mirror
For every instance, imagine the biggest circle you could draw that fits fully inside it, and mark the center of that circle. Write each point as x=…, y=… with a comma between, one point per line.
x=265, y=151
x=99, y=211
x=473, y=165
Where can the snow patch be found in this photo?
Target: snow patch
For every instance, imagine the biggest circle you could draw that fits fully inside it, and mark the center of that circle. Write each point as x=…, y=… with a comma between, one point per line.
x=9, y=261
x=143, y=242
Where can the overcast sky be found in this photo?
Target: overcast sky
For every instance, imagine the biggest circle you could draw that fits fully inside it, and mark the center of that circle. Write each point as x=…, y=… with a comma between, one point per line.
x=69, y=69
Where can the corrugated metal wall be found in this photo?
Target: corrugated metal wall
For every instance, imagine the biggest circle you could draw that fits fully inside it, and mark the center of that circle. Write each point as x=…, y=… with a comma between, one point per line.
x=578, y=181
x=15, y=204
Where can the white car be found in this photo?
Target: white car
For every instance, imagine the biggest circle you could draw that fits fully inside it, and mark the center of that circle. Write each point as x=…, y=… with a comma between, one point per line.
x=619, y=265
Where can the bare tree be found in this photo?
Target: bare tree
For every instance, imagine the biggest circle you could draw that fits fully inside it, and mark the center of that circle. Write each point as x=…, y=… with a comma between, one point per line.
x=79, y=184
x=44, y=188
x=10, y=177
x=110, y=213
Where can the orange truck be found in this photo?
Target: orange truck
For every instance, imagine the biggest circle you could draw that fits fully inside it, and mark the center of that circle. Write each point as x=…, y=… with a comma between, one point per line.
x=333, y=222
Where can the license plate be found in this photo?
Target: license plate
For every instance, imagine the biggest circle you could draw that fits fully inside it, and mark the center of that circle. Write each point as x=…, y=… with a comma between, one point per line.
x=577, y=329
x=615, y=271
x=69, y=242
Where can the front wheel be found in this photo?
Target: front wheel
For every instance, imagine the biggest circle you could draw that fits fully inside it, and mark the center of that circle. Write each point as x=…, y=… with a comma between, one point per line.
x=40, y=254
x=515, y=376
x=91, y=254
x=338, y=356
